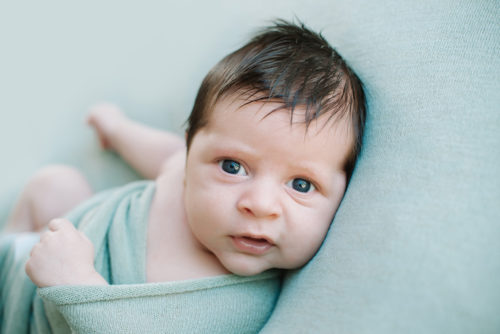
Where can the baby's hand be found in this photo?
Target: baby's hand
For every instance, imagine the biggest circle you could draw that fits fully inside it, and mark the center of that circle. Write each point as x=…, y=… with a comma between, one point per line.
x=64, y=256
x=105, y=118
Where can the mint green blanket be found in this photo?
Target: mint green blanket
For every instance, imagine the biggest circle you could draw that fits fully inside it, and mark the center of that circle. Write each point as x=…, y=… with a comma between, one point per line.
x=115, y=221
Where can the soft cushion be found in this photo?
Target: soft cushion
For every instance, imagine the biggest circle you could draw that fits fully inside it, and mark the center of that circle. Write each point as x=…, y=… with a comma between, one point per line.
x=414, y=247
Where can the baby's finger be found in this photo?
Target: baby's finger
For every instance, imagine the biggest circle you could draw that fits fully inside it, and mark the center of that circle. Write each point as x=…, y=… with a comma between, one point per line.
x=33, y=249
x=90, y=120
x=45, y=235
x=103, y=141
x=36, y=249
x=56, y=224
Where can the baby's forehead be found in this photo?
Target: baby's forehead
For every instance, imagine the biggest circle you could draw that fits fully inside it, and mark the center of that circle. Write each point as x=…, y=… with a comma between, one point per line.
x=297, y=118
x=268, y=120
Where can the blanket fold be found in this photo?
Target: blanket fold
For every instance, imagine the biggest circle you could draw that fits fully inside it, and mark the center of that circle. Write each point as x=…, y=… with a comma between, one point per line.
x=116, y=222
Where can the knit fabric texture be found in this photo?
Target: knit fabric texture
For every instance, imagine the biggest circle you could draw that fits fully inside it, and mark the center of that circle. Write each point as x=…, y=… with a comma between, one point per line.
x=116, y=223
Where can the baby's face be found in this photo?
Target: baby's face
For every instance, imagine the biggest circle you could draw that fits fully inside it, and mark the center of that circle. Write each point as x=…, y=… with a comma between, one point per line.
x=260, y=192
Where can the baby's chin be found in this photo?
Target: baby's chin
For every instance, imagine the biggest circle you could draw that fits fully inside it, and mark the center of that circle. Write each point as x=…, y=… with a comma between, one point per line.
x=241, y=266
x=245, y=271
x=248, y=265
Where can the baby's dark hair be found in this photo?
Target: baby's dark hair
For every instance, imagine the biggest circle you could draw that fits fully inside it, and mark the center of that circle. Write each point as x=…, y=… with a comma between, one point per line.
x=293, y=65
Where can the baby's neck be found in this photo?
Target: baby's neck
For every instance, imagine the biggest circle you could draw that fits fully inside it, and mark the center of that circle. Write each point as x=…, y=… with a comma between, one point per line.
x=173, y=252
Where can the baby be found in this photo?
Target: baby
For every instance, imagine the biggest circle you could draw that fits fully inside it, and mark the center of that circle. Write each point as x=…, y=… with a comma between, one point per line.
x=270, y=145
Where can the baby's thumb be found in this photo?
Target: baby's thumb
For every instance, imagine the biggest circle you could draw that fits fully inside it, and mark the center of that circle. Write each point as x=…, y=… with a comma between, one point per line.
x=90, y=120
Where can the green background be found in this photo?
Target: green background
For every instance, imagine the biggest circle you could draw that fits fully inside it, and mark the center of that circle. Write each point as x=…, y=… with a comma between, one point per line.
x=415, y=245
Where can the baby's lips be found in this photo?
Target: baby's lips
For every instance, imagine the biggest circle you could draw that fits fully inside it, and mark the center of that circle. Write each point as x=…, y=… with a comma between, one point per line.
x=252, y=245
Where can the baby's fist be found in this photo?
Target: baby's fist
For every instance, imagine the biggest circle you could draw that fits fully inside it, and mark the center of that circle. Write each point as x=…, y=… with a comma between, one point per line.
x=105, y=118
x=64, y=256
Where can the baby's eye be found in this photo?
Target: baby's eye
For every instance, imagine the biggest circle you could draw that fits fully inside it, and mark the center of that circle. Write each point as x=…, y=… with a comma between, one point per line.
x=232, y=167
x=301, y=185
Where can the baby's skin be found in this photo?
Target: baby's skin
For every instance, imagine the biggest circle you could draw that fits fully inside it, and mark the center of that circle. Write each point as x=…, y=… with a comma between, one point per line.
x=254, y=192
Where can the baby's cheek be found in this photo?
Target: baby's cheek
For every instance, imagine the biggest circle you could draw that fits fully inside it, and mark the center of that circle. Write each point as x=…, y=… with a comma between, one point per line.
x=309, y=243
x=204, y=208
x=212, y=204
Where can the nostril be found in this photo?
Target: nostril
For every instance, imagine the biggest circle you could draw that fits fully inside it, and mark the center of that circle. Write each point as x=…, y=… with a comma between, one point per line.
x=259, y=206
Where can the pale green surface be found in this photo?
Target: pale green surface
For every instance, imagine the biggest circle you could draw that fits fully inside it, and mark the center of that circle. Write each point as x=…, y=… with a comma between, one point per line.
x=115, y=222
x=414, y=247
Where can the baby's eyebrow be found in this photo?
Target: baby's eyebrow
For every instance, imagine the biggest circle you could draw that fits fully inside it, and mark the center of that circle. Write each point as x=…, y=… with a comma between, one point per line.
x=313, y=172
x=232, y=148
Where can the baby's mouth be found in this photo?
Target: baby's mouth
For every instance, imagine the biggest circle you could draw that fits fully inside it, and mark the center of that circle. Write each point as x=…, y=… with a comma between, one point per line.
x=252, y=245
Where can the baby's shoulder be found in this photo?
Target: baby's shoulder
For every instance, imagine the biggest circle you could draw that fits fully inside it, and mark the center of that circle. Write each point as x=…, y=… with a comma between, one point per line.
x=169, y=184
x=174, y=163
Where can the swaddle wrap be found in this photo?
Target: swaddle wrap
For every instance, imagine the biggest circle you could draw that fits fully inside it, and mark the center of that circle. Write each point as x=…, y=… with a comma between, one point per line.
x=116, y=223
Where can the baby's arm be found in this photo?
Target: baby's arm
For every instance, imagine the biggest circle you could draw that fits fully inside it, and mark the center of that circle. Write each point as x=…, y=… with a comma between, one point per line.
x=144, y=148
x=64, y=256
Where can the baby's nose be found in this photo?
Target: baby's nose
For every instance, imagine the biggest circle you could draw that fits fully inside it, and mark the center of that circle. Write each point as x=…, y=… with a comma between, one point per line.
x=261, y=199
